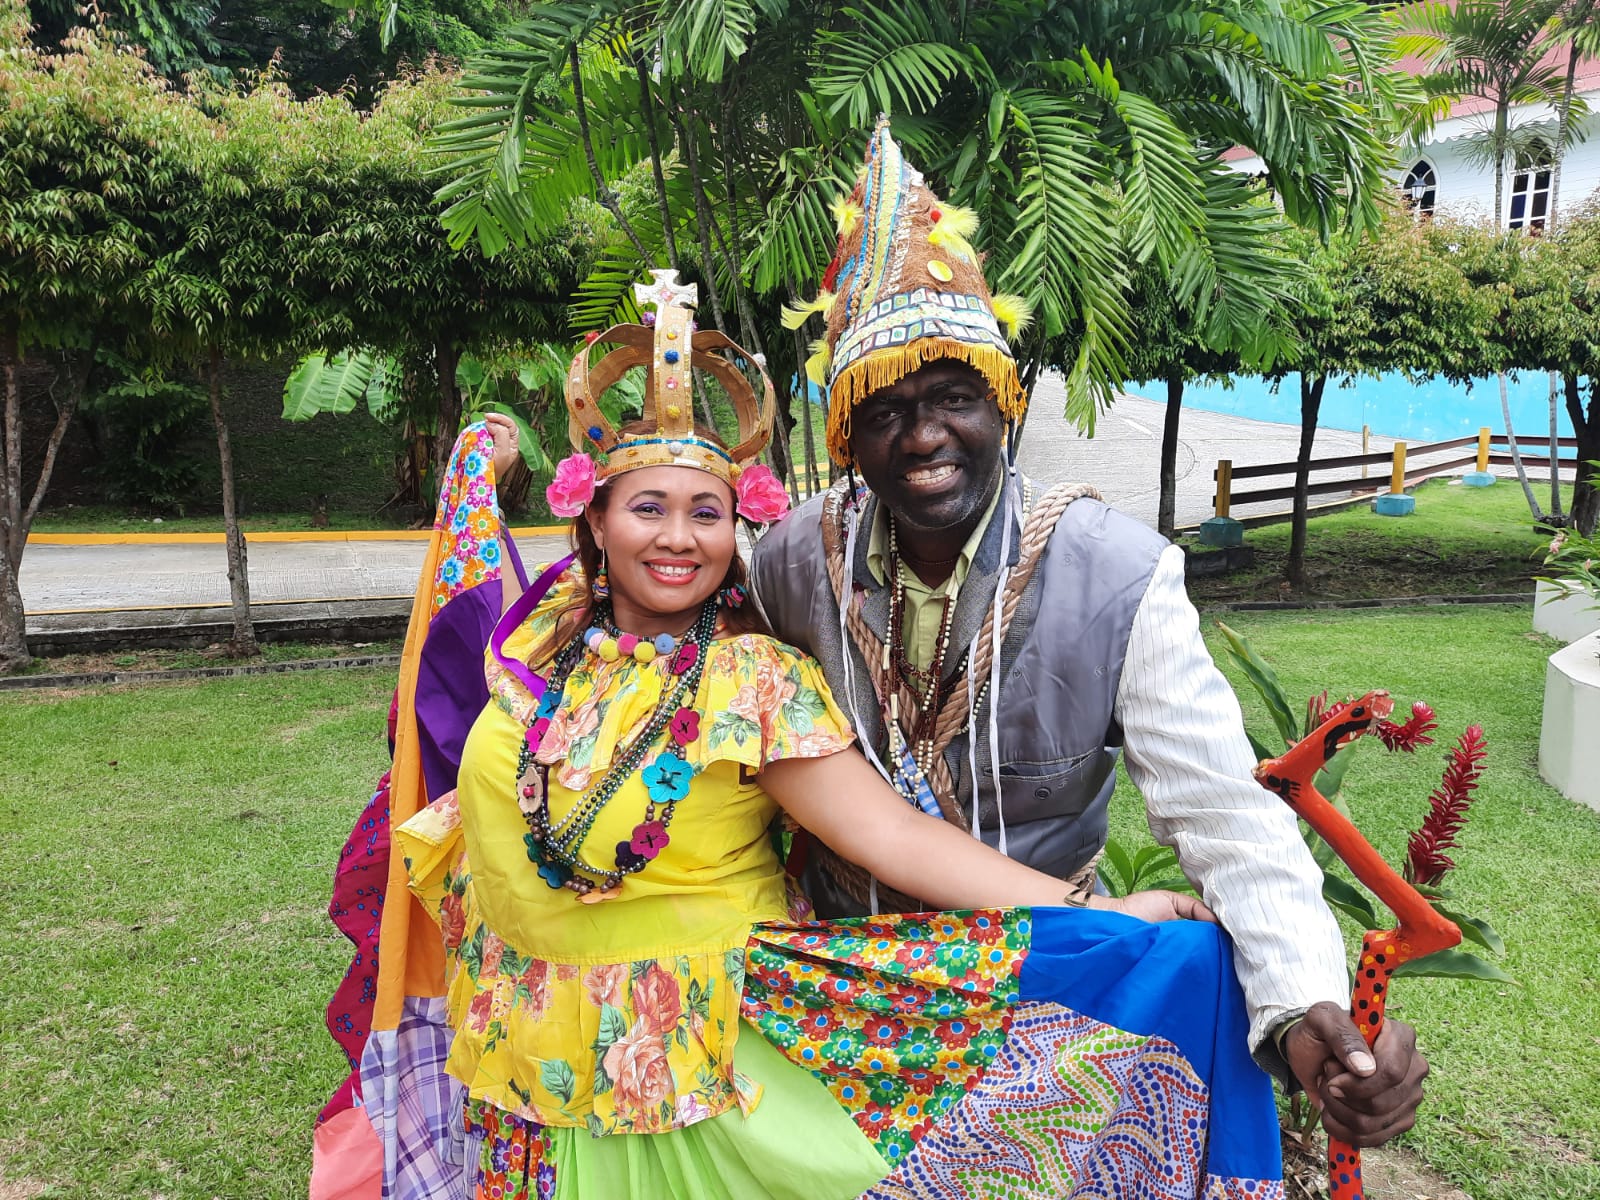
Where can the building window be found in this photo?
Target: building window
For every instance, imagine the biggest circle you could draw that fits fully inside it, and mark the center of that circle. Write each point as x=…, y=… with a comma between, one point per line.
x=1421, y=188
x=1530, y=188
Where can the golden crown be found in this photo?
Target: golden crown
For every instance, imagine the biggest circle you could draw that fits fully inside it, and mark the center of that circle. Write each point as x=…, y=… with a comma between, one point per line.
x=670, y=349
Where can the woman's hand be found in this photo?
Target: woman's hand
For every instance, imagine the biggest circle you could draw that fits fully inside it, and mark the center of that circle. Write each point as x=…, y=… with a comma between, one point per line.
x=1156, y=906
x=506, y=455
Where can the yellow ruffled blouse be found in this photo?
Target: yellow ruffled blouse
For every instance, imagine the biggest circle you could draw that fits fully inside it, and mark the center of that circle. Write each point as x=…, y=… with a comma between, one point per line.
x=621, y=1015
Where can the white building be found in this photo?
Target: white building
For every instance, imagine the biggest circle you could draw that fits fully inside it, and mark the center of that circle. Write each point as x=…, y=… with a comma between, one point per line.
x=1442, y=175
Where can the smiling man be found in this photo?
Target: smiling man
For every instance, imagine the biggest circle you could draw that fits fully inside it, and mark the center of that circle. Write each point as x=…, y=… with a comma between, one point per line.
x=997, y=646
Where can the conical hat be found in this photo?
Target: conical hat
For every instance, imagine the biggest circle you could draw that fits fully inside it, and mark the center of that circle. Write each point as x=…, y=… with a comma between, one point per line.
x=905, y=288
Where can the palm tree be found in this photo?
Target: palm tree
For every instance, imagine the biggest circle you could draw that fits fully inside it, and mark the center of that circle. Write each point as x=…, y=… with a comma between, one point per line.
x=1087, y=138
x=1499, y=51
x=1507, y=52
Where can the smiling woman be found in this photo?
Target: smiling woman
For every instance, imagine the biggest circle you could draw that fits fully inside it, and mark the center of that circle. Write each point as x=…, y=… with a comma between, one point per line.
x=617, y=949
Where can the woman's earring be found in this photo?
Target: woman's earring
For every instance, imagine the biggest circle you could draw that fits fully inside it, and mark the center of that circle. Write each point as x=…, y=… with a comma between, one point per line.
x=732, y=596
x=601, y=587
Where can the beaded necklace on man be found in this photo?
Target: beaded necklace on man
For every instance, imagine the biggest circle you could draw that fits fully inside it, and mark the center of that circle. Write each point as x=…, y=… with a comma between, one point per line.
x=556, y=848
x=926, y=685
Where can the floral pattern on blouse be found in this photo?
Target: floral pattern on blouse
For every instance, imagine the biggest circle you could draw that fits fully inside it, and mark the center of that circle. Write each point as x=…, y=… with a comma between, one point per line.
x=623, y=1016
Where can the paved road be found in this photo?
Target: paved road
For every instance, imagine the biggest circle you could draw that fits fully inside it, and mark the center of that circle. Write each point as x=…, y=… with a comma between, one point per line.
x=72, y=587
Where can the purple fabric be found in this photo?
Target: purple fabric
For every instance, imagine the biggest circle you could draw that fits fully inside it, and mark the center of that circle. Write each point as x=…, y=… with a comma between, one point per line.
x=451, y=690
x=517, y=614
x=415, y=1108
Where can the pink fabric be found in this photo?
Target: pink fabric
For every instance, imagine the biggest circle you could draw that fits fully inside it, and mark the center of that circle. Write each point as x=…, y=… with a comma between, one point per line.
x=346, y=1159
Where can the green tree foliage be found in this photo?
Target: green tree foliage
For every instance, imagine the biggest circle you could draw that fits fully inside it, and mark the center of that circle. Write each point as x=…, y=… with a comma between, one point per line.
x=1087, y=137
x=315, y=45
x=93, y=166
x=1408, y=300
x=172, y=230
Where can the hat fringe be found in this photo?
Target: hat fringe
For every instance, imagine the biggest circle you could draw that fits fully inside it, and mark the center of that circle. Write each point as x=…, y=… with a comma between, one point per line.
x=885, y=367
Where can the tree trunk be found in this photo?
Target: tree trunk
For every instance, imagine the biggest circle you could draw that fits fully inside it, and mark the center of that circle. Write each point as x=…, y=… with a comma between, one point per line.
x=1310, y=408
x=16, y=520
x=1586, y=493
x=813, y=485
x=1501, y=122
x=1167, y=506
x=448, y=426
x=1555, y=448
x=243, y=644
x=13, y=621
x=1516, y=454
x=647, y=109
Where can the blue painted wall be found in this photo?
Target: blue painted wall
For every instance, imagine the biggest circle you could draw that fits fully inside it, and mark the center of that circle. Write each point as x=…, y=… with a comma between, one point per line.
x=1430, y=412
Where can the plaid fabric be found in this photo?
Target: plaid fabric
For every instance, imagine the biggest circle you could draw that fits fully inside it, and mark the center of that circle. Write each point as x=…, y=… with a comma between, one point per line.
x=415, y=1108
x=911, y=783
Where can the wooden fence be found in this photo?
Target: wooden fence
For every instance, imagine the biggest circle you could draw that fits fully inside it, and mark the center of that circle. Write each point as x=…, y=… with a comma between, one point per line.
x=1404, y=470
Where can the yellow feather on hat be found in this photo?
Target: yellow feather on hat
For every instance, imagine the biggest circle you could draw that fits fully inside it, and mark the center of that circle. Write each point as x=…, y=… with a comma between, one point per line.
x=845, y=215
x=1012, y=311
x=796, y=315
x=817, y=365
x=952, y=228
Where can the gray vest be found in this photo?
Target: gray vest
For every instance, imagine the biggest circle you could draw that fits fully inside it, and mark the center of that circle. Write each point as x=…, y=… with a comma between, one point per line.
x=1060, y=666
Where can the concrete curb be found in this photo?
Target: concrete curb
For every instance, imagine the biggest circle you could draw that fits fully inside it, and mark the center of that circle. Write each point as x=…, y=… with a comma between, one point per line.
x=1376, y=602
x=265, y=535
x=89, y=678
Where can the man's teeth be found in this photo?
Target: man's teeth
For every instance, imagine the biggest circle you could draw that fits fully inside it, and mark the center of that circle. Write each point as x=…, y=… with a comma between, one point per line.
x=930, y=474
x=664, y=569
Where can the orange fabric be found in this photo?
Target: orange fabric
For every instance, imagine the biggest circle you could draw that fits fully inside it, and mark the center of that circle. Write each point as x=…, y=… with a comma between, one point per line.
x=409, y=964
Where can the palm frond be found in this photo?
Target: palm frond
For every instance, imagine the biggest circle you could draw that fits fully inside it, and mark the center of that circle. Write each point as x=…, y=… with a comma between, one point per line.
x=889, y=57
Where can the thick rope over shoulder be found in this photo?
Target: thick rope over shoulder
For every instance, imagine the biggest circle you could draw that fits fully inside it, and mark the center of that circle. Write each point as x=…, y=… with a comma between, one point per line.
x=1038, y=523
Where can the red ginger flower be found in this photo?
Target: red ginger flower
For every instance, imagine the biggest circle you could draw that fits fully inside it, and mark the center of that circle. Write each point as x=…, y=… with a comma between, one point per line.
x=1413, y=733
x=1426, y=860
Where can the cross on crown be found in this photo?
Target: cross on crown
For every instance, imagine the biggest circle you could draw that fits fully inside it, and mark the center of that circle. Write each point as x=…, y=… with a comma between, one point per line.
x=664, y=289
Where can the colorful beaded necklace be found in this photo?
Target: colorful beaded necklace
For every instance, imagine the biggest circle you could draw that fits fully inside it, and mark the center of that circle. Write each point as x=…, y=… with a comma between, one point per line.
x=555, y=848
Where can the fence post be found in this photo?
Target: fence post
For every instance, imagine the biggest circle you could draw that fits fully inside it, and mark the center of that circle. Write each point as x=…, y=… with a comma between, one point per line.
x=1396, y=503
x=1481, y=477
x=1222, y=530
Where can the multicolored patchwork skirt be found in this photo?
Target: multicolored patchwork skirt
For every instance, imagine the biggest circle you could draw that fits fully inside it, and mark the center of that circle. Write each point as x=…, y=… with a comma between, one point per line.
x=1016, y=1053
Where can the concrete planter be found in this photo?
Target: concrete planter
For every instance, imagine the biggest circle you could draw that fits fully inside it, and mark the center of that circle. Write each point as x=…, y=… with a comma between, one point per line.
x=1569, y=739
x=1565, y=618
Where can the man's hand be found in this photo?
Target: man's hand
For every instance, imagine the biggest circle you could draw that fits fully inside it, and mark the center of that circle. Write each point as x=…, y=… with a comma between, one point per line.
x=506, y=455
x=1157, y=906
x=1366, y=1096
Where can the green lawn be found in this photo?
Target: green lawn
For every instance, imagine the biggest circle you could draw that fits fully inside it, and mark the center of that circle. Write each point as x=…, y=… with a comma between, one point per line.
x=1460, y=541
x=169, y=854
x=1513, y=1110
x=170, y=849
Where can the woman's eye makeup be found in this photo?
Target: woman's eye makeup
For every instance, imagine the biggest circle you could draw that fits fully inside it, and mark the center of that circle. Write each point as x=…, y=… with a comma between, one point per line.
x=707, y=514
x=647, y=508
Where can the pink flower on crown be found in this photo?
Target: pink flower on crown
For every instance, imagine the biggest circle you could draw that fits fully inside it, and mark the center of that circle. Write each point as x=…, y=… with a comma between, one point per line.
x=571, y=490
x=760, y=496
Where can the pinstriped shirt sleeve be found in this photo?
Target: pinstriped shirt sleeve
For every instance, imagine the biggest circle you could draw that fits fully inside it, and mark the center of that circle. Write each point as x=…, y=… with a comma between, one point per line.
x=1240, y=846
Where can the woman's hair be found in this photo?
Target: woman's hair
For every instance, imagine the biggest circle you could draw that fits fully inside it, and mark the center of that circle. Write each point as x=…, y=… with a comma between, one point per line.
x=574, y=616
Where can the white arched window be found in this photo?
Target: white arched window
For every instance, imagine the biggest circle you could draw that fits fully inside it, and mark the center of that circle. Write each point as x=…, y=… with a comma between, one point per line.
x=1421, y=188
x=1530, y=187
